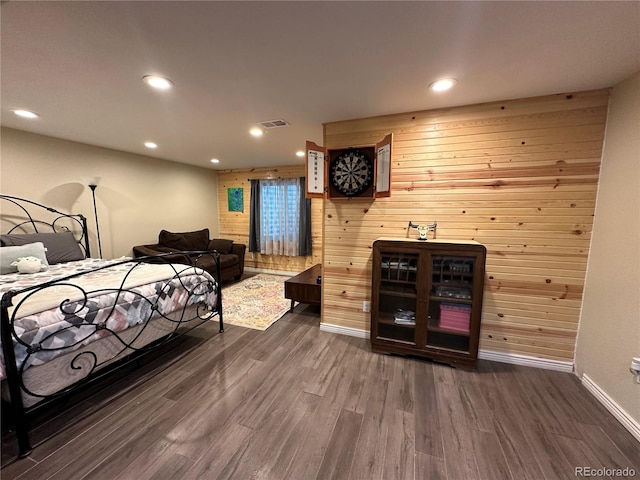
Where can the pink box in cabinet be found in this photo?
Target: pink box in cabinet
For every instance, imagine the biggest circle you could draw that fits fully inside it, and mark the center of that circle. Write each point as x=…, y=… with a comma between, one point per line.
x=455, y=317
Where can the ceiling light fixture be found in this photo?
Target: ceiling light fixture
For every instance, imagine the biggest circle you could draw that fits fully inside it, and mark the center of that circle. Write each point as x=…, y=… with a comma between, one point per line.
x=443, y=84
x=256, y=132
x=215, y=160
x=300, y=153
x=150, y=145
x=157, y=82
x=25, y=113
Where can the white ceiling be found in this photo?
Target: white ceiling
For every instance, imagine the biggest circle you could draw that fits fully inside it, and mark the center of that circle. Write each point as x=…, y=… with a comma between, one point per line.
x=80, y=64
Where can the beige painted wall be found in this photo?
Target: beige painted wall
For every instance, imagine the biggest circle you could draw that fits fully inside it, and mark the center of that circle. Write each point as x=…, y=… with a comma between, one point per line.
x=609, y=334
x=137, y=195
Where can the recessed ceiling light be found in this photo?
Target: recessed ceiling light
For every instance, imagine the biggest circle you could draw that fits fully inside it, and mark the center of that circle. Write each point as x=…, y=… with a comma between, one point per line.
x=215, y=160
x=443, y=84
x=256, y=132
x=158, y=82
x=150, y=145
x=300, y=153
x=25, y=113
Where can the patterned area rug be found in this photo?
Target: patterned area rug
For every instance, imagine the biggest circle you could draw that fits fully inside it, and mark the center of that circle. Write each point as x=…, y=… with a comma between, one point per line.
x=256, y=302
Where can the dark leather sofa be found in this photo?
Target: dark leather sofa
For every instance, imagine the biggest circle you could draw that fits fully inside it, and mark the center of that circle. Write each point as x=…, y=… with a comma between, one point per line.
x=187, y=248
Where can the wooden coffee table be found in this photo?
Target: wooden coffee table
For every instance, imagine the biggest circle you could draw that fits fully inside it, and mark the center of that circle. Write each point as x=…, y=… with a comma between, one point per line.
x=304, y=287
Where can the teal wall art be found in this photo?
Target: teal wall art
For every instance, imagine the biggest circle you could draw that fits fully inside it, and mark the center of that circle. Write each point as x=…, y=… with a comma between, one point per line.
x=235, y=199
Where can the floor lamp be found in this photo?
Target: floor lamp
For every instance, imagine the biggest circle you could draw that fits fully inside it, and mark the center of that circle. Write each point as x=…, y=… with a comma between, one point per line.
x=93, y=187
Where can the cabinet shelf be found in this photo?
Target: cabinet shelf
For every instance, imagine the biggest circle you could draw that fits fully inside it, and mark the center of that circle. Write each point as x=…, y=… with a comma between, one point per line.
x=395, y=281
x=448, y=350
x=398, y=291
x=442, y=282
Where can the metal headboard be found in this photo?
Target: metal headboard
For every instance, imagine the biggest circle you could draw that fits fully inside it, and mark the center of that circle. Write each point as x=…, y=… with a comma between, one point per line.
x=27, y=221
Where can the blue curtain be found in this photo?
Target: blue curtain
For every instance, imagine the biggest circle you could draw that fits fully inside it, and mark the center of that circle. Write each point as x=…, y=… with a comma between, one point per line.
x=254, y=217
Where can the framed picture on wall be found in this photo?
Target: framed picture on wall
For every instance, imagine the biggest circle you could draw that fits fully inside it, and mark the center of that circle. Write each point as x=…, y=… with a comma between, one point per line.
x=235, y=199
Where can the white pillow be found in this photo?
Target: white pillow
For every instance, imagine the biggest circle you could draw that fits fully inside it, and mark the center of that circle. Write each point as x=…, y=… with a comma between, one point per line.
x=8, y=255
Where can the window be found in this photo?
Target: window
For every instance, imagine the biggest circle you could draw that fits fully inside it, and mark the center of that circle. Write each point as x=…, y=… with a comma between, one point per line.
x=280, y=217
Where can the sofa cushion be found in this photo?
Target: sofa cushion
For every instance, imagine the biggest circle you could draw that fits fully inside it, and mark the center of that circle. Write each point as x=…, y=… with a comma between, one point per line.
x=221, y=245
x=227, y=261
x=197, y=240
x=208, y=262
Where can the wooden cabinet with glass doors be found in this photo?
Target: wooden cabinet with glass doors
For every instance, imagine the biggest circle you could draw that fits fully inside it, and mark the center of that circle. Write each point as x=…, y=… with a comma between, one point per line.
x=426, y=299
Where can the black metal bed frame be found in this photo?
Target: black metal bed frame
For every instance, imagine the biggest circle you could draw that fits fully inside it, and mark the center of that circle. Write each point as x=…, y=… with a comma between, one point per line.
x=97, y=371
x=30, y=225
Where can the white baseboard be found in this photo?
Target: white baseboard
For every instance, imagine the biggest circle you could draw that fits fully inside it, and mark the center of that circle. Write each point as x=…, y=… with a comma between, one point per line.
x=616, y=410
x=271, y=272
x=525, y=360
x=351, y=332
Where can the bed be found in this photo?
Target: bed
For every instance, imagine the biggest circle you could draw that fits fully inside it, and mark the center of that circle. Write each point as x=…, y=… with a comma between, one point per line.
x=81, y=318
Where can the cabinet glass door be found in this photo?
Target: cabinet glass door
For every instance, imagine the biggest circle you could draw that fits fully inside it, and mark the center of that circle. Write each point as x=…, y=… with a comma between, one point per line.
x=397, y=297
x=450, y=299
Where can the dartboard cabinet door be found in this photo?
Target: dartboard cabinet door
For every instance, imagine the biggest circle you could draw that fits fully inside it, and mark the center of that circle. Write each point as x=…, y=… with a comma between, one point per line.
x=362, y=172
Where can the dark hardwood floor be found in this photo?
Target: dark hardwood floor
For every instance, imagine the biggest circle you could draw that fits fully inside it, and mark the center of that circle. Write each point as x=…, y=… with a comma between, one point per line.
x=297, y=403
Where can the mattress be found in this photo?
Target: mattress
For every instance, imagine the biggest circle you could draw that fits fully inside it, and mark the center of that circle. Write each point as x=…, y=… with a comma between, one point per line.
x=83, y=315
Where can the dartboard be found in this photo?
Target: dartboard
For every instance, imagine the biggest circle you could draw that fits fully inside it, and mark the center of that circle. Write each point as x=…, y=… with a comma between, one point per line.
x=351, y=173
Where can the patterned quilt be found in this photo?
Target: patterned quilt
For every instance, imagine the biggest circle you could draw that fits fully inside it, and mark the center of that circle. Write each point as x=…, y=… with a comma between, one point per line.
x=75, y=312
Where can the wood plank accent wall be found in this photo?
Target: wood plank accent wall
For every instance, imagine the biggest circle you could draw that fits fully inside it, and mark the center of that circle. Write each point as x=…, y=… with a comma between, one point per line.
x=518, y=176
x=235, y=225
